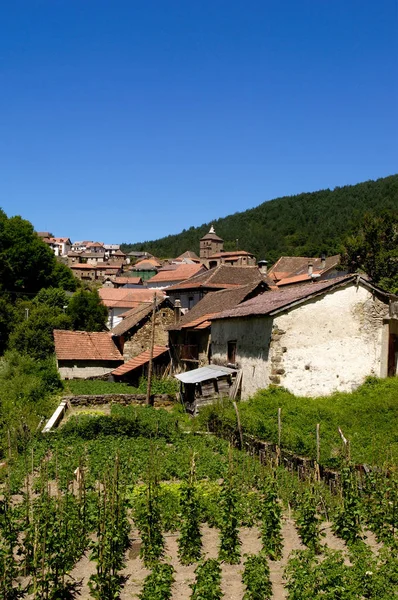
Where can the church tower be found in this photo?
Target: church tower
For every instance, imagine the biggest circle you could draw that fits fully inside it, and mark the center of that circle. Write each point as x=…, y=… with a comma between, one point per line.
x=210, y=244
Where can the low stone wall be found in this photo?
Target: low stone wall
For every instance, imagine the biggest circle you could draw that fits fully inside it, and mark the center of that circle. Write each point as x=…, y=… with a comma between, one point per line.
x=123, y=399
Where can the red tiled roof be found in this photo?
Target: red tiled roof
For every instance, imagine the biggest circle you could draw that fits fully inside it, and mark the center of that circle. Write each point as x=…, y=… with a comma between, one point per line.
x=290, y=266
x=224, y=276
x=181, y=273
x=131, y=280
x=85, y=345
x=82, y=266
x=146, y=262
x=274, y=301
x=139, y=361
x=215, y=302
x=127, y=297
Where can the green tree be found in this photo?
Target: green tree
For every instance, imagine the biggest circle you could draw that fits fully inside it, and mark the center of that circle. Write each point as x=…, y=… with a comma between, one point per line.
x=374, y=249
x=64, y=278
x=54, y=297
x=86, y=311
x=34, y=335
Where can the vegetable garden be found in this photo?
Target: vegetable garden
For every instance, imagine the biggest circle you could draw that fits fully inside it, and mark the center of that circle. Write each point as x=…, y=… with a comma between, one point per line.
x=133, y=506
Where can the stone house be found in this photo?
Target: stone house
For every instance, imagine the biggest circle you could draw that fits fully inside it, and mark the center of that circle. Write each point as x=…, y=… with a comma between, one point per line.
x=210, y=244
x=239, y=258
x=84, y=354
x=313, y=339
x=133, y=333
x=189, y=337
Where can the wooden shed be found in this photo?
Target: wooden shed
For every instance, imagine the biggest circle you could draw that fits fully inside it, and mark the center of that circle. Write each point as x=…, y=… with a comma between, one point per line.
x=203, y=386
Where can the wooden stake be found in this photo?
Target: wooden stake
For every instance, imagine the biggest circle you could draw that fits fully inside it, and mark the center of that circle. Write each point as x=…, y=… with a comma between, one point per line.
x=317, y=444
x=239, y=425
x=278, y=452
x=148, y=392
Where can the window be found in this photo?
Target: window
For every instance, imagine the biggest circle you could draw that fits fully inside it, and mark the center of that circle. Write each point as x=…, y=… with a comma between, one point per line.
x=231, y=351
x=190, y=302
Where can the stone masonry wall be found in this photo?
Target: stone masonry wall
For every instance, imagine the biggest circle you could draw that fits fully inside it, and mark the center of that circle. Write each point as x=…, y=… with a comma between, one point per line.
x=124, y=399
x=141, y=340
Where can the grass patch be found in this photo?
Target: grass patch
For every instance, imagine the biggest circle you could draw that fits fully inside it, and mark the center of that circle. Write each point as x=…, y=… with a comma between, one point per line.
x=87, y=387
x=367, y=417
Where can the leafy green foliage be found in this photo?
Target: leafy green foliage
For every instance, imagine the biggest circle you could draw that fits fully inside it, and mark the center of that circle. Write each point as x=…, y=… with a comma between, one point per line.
x=372, y=433
x=380, y=501
x=190, y=540
x=229, y=527
x=27, y=390
x=86, y=311
x=308, y=522
x=348, y=518
x=271, y=513
x=256, y=578
x=157, y=585
x=149, y=522
x=301, y=225
x=34, y=336
x=374, y=249
x=207, y=585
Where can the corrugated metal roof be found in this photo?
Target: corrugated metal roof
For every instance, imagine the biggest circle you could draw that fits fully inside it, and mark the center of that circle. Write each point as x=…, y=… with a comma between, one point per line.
x=205, y=374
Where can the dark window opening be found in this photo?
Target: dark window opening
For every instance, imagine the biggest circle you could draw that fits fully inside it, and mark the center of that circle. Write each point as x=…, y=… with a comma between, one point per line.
x=231, y=351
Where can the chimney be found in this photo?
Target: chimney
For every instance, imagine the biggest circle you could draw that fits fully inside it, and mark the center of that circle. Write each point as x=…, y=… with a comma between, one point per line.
x=310, y=268
x=323, y=261
x=262, y=265
x=177, y=311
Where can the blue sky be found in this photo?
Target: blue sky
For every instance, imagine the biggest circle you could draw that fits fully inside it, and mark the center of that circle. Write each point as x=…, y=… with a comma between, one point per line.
x=126, y=120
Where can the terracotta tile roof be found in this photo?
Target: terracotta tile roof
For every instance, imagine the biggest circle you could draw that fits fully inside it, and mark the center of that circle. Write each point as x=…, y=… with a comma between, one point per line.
x=133, y=317
x=215, y=302
x=85, y=345
x=188, y=254
x=180, y=273
x=294, y=279
x=275, y=301
x=196, y=323
x=212, y=236
x=224, y=276
x=127, y=297
x=147, y=264
x=139, y=360
x=125, y=280
x=290, y=266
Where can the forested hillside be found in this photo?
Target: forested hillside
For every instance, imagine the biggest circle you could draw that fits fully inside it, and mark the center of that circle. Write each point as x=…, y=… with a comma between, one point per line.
x=306, y=224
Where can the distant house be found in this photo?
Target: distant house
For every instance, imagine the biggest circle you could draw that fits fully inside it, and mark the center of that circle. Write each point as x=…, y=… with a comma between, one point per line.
x=119, y=301
x=313, y=339
x=84, y=271
x=60, y=246
x=239, y=258
x=116, y=282
x=146, y=268
x=223, y=277
x=294, y=270
x=189, y=337
x=85, y=355
x=133, y=334
x=94, y=247
x=172, y=274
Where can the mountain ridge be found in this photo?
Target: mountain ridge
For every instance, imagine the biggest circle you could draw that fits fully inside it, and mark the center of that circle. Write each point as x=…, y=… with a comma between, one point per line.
x=305, y=224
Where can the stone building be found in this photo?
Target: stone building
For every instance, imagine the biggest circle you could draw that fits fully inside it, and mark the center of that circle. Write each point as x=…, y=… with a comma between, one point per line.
x=210, y=244
x=133, y=334
x=313, y=339
x=84, y=354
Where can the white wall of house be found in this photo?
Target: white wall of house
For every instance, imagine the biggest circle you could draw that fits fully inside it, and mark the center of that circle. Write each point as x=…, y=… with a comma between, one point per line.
x=330, y=343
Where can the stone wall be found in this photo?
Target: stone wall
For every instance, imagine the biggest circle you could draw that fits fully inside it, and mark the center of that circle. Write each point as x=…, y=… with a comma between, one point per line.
x=141, y=340
x=123, y=399
x=329, y=343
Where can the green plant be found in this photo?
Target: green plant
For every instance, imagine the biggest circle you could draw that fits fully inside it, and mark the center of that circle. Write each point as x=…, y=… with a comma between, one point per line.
x=256, y=578
x=229, y=523
x=190, y=539
x=157, y=585
x=308, y=523
x=348, y=517
x=271, y=513
x=149, y=522
x=207, y=585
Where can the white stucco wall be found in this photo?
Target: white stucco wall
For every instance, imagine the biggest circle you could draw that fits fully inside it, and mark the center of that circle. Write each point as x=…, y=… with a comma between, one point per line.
x=328, y=344
x=252, y=336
